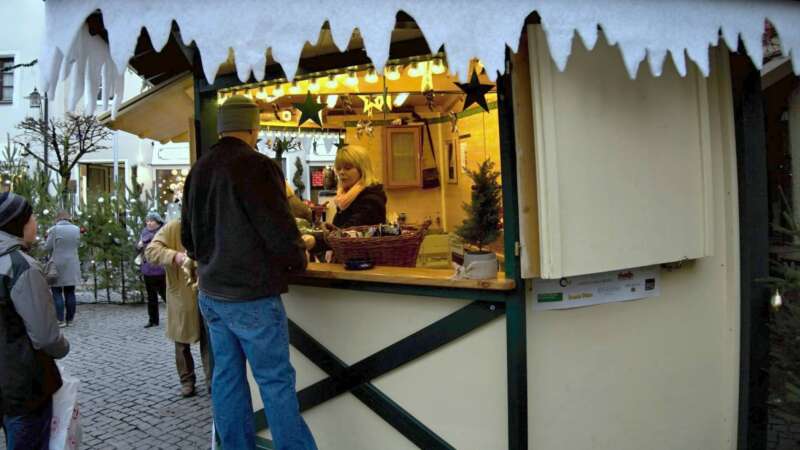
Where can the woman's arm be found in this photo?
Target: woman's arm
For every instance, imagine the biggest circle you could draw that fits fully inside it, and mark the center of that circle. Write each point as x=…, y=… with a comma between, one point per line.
x=158, y=251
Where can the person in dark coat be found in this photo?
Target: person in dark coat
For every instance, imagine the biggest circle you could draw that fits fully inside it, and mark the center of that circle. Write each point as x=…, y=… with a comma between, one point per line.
x=238, y=227
x=63, y=240
x=155, y=279
x=360, y=199
x=30, y=339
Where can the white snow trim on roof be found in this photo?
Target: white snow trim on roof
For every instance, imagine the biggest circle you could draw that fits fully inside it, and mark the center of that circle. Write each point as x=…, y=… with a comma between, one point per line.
x=467, y=29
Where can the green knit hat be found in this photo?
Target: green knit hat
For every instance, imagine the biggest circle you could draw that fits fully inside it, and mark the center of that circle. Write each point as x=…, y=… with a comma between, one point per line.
x=238, y=113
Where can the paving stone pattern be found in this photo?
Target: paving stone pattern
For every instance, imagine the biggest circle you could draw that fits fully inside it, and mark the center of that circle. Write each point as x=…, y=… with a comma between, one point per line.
x=782, y=434
x=129, y=394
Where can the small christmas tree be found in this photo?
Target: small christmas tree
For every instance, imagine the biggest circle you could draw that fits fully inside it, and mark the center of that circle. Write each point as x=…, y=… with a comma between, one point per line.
x=482, y=225
x=297, y=179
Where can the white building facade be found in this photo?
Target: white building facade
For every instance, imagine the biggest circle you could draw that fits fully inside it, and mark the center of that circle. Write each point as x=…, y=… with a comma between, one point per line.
x=135, y=159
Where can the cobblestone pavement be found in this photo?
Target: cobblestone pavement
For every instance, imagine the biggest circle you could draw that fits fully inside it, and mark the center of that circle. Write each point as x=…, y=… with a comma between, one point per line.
x=782, y=434
x=129, y=393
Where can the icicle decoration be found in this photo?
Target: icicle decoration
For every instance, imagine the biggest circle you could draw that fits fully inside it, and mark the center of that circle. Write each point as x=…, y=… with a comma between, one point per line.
x=247, y=28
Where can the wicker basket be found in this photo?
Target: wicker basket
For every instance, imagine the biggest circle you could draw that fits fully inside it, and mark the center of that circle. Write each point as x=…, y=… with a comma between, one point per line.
x=399, y=250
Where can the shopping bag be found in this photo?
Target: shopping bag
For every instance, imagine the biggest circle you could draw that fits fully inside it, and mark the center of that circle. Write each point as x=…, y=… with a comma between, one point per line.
x=65, y=431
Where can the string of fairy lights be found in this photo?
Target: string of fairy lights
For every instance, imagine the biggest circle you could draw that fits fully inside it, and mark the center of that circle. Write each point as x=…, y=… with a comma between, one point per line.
x=349, y=78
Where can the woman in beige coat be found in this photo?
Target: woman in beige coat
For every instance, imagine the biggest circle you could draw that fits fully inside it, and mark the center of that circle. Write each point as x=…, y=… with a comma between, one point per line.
x=184, y=323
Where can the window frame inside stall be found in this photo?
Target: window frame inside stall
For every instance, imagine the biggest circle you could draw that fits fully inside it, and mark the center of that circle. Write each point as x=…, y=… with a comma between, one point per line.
x=485, y=304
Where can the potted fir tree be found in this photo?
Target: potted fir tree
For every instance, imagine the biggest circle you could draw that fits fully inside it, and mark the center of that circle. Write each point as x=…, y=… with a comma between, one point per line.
x=482, y=225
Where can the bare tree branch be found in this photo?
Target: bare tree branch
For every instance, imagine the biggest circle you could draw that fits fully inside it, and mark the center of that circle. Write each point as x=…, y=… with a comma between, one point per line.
x=69, y=140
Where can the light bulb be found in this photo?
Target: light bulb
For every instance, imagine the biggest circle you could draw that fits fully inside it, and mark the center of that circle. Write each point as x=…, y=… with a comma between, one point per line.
x=313, y=87
x=184, y=172
x=262, y=94
x=438, y=67
x=174, y=172
x=400, y=98
x=351, y=80
x=392, y=73
x=371, y=77
x=415, y=70
x=331, y=83
x=776, y=301
x=294, y=89
x=331, y=101
x=278, y=91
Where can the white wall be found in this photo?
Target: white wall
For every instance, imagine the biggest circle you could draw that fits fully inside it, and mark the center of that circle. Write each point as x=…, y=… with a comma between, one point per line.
x=459, y=391
x=652, y=374
x=21, y=36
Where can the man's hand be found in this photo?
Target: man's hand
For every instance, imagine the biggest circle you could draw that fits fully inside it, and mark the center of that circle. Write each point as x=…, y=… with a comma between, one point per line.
x=178, y=259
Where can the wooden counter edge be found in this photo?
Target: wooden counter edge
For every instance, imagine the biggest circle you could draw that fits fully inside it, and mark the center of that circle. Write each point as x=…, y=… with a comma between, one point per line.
x=401, y=275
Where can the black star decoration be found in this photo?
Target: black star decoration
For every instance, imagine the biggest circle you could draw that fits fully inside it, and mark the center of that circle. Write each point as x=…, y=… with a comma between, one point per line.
x=476, y=92
x=309, y=110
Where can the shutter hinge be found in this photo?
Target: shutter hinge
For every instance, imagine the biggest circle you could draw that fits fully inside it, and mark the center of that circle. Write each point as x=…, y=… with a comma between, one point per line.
x=516, y=248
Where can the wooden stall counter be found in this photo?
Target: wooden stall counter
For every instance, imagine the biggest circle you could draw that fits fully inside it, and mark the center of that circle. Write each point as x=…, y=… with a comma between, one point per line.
x=401, y=275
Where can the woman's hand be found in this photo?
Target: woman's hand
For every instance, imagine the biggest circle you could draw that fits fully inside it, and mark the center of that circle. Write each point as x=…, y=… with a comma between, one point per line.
x=178, y=259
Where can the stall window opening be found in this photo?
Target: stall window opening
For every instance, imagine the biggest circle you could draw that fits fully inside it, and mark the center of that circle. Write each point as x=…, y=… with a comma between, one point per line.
x=415, y=136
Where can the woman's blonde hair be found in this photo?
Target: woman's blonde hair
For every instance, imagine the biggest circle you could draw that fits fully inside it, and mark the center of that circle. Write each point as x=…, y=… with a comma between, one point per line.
x=359, y=158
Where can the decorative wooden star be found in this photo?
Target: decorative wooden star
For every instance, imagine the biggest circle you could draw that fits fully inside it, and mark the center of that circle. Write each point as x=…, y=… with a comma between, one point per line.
x=309, y=110
x=376, y=102
x=476, y=92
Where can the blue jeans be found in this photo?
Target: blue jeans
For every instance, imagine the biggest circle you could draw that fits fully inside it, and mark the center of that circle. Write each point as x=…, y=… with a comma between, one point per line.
x=31, y=431
x=257, y=331
x=58, y=299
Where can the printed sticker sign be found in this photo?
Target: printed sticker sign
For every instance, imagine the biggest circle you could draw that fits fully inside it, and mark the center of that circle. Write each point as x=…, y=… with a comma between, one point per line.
x=596, y=289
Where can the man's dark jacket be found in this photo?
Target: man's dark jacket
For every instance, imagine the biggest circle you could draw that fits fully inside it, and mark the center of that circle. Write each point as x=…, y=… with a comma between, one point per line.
x=237, y=225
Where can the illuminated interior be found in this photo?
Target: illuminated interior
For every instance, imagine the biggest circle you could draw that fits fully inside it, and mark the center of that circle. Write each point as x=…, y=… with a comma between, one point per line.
x=410, y=117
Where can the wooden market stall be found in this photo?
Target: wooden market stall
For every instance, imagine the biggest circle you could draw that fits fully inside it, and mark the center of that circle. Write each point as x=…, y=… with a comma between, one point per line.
x=609, y=168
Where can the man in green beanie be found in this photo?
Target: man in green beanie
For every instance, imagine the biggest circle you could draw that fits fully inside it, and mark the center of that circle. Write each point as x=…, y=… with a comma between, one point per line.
x=238, y=226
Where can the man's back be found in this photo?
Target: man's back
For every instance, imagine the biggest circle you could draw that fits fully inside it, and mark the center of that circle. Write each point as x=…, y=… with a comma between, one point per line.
x=237, y=224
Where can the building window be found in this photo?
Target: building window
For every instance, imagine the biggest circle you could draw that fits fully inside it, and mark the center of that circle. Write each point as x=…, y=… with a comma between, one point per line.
x=100, y=177
x=6, y=80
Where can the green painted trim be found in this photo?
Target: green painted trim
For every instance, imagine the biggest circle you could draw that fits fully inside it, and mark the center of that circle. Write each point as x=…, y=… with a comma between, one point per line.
x=516, y=326
x=405, y=289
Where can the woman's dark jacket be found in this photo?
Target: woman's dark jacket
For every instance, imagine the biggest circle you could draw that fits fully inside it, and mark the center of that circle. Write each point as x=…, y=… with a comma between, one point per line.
x=369, y=208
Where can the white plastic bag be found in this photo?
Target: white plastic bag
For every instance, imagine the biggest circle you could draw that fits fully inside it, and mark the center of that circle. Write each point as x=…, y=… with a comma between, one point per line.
x=65, y=430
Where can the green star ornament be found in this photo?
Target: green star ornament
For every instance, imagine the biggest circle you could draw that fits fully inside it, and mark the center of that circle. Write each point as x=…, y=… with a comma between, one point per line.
x=309, y=110
x=476, y=92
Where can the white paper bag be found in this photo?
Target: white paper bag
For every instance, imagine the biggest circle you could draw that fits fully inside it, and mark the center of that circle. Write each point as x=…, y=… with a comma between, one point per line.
x=65, y=431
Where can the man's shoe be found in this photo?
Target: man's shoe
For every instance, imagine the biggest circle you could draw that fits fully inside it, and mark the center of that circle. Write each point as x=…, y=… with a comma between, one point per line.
x=151, y=325
x=187, y=391
x=61, y=324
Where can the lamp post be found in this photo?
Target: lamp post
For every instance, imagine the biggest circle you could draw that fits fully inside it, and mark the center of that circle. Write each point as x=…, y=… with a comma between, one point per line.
x=35, y=100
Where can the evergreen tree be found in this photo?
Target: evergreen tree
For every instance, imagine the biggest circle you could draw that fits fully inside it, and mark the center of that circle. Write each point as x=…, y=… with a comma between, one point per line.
x=297, y=179
x=482, y=225
x=784, y=368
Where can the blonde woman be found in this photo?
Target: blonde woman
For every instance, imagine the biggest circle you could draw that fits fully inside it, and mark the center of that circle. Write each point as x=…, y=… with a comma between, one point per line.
x=360, y=199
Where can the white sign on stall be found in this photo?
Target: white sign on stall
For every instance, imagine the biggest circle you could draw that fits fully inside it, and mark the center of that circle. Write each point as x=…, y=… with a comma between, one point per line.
x=596, y=289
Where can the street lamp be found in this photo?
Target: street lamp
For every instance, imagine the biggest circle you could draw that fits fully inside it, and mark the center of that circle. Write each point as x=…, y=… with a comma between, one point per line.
x=35, y=99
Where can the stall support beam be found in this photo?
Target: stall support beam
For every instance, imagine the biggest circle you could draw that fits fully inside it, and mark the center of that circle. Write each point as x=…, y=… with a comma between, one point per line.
x=205, y=110
x=516, y=336
x=751, y=161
